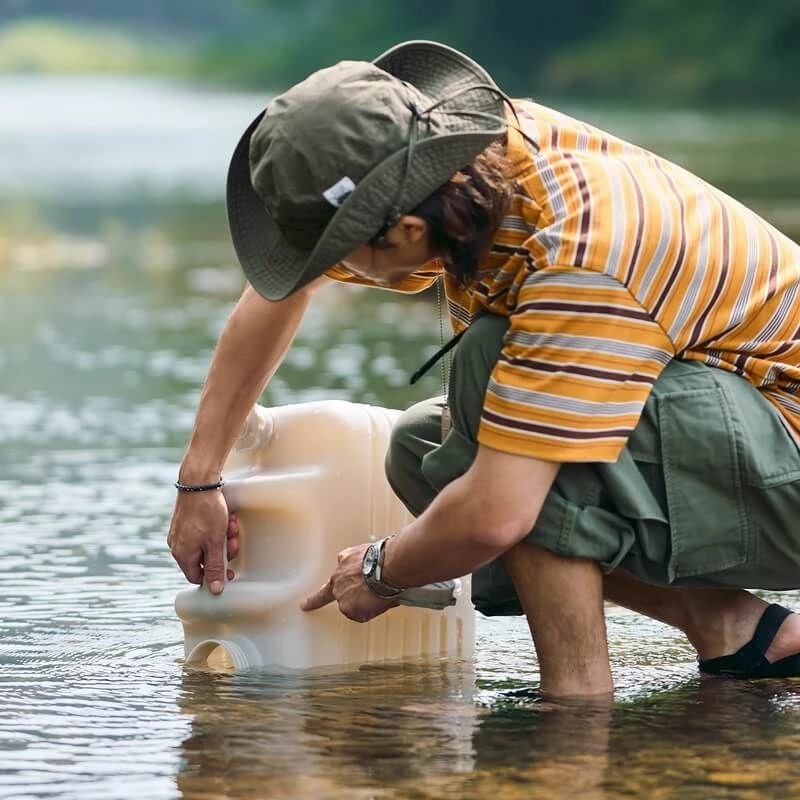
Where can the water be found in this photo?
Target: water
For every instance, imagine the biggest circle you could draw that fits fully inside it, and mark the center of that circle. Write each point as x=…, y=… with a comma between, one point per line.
x=115, y=277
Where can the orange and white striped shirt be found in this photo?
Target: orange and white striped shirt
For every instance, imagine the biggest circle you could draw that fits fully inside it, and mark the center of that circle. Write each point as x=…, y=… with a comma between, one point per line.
x=610, y=262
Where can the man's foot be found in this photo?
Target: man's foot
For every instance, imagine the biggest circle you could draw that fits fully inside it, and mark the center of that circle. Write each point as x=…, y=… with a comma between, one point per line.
x=719, y=624
x=771, y=638
x=544, y=702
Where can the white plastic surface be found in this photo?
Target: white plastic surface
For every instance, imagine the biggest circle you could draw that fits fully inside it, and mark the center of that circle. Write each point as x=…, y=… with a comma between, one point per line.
x=307, y=481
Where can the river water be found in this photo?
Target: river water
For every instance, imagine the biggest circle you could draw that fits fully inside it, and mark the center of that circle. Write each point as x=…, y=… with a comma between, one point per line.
x=115, y=277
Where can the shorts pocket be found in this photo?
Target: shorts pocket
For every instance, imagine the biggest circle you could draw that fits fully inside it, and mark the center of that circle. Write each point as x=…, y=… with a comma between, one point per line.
x=770, y=456
x=701, y=457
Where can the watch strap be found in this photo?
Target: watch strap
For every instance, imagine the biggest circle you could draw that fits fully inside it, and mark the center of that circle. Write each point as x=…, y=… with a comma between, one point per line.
x=374, y=578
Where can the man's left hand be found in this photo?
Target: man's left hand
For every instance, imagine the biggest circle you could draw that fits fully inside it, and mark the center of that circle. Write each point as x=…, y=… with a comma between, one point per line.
x=349, y=589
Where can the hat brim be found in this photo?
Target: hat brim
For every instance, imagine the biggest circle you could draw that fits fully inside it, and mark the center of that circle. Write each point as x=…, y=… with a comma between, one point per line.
x=275, y=267
x=435, y=69
x=268, y=260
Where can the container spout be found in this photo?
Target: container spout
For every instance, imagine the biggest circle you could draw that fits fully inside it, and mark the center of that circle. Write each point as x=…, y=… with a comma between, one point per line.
x=222, y=655
x=256, y=430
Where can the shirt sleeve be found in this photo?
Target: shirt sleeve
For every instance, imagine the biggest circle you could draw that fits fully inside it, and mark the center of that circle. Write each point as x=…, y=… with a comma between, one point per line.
x=417, y=282
x=578, y=363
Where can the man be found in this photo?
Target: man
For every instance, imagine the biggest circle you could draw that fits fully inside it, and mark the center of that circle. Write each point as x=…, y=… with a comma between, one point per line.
x=624, y=400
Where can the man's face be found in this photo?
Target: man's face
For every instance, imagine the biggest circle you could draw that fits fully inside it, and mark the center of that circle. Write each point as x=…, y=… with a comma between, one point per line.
x=407, y=250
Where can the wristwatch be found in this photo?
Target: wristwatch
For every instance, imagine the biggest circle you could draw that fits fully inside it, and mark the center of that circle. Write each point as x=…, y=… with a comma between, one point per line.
x=372, y=570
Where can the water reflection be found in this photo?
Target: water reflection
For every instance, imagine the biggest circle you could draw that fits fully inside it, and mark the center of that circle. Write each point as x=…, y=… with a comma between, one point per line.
x=710, y=738
x=317, y=737
x=414, y=731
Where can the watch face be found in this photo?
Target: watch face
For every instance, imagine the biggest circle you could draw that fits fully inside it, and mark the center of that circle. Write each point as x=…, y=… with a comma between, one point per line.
x=370, y=560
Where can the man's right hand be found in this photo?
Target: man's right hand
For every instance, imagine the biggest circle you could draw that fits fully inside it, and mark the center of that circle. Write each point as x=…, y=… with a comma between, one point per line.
x=200, y=530
x=236, y=376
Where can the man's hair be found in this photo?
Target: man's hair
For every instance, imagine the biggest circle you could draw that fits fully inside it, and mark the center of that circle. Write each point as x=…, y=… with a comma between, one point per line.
x=466, y=212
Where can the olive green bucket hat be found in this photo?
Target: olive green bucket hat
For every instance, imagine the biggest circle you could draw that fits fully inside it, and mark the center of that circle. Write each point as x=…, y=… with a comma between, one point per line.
x=336, y=159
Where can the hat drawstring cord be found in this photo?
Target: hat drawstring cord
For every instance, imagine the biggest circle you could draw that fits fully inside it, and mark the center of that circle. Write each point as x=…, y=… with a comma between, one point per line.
x=394, y=215
x=413, y=136
x=418, y=115
x=483, y=114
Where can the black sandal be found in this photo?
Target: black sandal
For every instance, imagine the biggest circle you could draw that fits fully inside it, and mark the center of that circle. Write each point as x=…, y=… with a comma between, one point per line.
x=749, y=661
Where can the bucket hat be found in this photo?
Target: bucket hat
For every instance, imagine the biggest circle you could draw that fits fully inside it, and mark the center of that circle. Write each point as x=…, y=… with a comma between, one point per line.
x=339, y=157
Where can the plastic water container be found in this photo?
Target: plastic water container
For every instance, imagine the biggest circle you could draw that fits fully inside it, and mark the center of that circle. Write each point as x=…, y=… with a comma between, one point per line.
x=307, y=481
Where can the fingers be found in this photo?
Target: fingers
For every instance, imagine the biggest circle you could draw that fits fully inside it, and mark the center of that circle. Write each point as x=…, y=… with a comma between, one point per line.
x=360, y=614
x=190, y=563
x=192, y=568
x=233, y=536
x=214, y=569
x=320, y=598
x=199, y=529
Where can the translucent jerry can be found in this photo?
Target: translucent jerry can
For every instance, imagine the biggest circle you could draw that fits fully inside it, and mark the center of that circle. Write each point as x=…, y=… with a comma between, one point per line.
x=307, y=481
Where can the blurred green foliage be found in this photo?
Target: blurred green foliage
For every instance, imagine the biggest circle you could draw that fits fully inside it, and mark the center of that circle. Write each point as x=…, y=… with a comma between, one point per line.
x=515, y=43
x=656, y=51
x=690, y=52
x=709, y=51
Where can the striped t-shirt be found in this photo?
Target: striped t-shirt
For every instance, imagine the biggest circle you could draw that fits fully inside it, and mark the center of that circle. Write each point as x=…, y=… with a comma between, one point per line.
x=610, y=262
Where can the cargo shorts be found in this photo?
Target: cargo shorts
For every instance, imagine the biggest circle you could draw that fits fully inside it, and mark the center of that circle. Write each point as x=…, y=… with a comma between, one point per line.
x=706, y=492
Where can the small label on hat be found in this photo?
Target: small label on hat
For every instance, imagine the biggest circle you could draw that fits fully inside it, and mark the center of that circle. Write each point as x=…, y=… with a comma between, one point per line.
x=339, y=192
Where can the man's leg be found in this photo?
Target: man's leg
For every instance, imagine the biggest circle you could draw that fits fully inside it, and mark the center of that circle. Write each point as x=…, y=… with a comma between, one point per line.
x=416, y=433
x=716, y=622
x=563, y=602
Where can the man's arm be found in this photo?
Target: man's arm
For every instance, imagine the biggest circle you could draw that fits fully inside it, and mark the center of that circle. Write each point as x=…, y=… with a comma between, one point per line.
x=251, y=347
x=472, y=521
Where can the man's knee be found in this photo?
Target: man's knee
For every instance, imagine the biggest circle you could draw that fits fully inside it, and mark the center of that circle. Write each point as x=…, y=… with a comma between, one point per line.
x=416, y=432
x=399, y=454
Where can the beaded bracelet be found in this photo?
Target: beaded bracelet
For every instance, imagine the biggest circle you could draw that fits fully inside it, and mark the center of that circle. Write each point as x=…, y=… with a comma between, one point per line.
x=199, y=487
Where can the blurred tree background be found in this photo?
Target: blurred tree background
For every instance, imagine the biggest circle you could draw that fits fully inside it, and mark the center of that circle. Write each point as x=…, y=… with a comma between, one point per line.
x=688, y=52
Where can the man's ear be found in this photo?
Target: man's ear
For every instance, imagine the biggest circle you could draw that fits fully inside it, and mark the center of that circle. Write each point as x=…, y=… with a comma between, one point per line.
x=412, y=229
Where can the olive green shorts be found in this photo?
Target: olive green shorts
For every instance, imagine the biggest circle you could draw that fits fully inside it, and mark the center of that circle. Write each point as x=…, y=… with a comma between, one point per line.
x=706, y=493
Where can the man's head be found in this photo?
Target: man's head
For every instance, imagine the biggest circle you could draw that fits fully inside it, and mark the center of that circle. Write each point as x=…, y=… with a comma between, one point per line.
x=454, y=224
x=342, y=157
